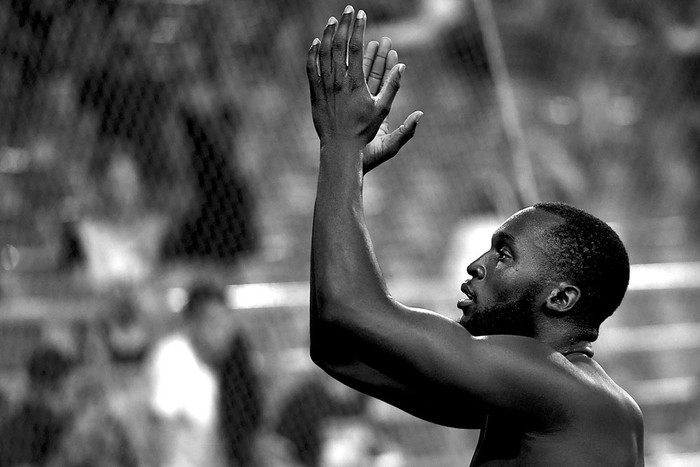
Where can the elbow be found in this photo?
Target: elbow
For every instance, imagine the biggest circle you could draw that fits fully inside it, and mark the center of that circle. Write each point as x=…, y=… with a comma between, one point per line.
x=318, y=354
x=319, y=328
x=330, y=326
x=316, y=344
x=324, y=344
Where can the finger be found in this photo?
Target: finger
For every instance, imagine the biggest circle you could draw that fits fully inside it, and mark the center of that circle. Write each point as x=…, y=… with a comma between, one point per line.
x=391, y=86
x=324, y=52
x=339, y=45
x=400, y=136
x=411, y=123
x=392, y=59
x=376, y=74
x=395, y=140
x=370, y=52
x=355, y=49
x=312, y=70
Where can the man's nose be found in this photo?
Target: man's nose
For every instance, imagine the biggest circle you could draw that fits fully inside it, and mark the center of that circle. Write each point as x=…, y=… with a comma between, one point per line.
x=477, y=269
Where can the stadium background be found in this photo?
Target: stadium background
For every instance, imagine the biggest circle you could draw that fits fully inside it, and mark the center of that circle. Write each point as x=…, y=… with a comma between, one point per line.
x=104, y=104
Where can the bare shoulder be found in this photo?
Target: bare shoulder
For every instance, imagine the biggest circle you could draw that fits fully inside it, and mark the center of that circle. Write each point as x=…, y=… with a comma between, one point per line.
x=612, y=416
x=600, y=391
x=593, y=423
x=575, y=387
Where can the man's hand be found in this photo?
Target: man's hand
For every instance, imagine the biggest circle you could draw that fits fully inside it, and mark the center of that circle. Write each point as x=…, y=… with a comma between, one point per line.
x=378, y=62
x=351, y=95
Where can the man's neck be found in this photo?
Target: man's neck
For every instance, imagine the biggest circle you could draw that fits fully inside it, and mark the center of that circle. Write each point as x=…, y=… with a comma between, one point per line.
x=566, y=341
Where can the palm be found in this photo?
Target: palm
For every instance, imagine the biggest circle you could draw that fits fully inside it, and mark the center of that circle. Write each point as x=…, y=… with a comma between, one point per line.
x=378, y=150
x=379, y=59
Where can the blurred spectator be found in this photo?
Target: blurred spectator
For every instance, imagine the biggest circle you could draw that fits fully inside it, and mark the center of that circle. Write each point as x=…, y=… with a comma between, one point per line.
x=356, y=443
x=125, y=331
x=136, y=160
x=132, y=106
x=121, y=229
x=240, y=401
x=306, y=412
x=220, y=225
x=96, y=437
x=25, y=39
x=32, y=432
x=201, y=385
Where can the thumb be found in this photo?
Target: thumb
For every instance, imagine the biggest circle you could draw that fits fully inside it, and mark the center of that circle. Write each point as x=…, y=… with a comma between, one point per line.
x=401, y=135
x=394, y=141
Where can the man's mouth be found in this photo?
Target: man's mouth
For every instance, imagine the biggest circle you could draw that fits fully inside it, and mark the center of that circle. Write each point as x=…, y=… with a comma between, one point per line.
x=464, y=303
x=467, y=290
x=470, y=296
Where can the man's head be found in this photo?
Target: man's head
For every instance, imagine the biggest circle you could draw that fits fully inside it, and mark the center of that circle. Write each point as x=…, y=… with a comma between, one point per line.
x=208, y=319
x=549, y=260
x=48, y=367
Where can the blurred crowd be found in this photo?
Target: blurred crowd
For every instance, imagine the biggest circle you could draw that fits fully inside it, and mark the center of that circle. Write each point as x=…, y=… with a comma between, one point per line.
x=191, y=394
x=141, y=133
x=135, y=124
x=114, y=130
x=125, y=144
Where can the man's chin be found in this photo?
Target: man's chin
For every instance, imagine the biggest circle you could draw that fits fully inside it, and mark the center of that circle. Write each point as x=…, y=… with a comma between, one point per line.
x=467, y=323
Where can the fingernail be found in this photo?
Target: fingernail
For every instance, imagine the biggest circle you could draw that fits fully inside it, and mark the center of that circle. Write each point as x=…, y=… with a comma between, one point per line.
x=331, y=21
x=348, y=10
x=418, y=117
x=402, y=67
x=361, y=14
x=316, y=41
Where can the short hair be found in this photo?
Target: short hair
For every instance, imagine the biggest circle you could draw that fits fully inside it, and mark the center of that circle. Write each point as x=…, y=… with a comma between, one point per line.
x=199, y=294
x=589, y=253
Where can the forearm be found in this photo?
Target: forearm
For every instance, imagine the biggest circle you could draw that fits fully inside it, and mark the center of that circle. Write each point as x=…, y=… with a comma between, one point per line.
x=346, y=280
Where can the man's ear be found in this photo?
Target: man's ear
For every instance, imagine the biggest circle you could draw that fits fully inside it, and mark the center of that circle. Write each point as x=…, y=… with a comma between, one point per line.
x=563, y=298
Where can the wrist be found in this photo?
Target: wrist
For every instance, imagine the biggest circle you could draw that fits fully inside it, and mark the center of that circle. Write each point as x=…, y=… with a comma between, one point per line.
x=342, y=144
x=341, y=154
x=340, y=160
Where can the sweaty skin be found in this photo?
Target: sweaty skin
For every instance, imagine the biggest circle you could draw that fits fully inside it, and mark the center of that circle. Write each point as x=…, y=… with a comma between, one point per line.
x=539, y=399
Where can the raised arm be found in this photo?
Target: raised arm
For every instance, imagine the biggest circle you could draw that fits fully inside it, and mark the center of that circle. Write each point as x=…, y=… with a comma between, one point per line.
x=347, y=116
x=417, y=360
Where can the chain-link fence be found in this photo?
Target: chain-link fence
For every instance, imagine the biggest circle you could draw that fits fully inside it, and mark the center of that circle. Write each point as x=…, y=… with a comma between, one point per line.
x=149, y=144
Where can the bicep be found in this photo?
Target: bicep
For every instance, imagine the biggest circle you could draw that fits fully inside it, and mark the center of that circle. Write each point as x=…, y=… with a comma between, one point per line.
x=406, y=397
x=433, y=358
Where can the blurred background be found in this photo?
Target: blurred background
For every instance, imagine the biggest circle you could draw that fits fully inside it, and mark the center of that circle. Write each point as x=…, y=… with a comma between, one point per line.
x=148, y=145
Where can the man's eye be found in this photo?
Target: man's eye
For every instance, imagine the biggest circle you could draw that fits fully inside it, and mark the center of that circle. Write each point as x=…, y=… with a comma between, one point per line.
x=502, y=254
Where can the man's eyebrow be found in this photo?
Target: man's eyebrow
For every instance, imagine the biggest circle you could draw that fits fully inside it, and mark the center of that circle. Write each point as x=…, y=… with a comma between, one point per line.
x=500, y=236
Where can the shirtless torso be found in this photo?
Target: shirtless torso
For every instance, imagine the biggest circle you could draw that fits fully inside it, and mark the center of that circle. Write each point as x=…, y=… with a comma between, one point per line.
x=598, y=431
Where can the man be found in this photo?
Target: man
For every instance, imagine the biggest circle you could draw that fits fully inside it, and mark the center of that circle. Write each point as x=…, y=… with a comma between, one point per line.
x=32, y=433
x=305, y=412
x=518, y=365
x=204, y=394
